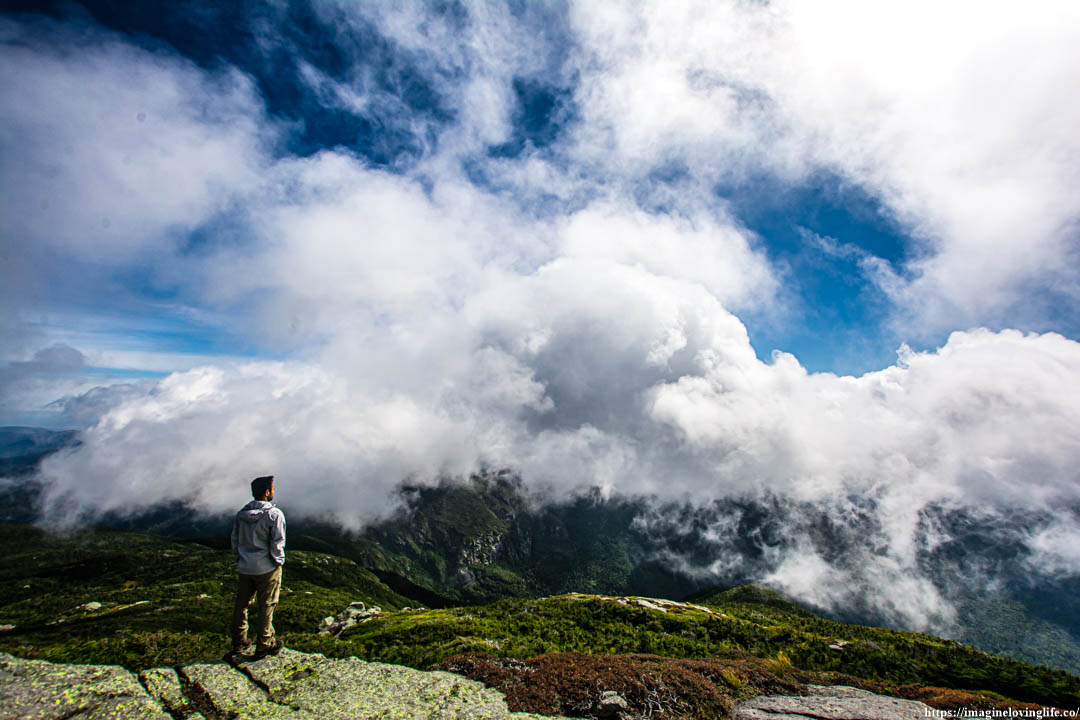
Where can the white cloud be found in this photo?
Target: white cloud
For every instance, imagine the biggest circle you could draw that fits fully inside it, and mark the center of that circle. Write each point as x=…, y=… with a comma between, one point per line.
x=898, y=591
x=111, y=152
x=956, y=118
x=698, y=249
x=1057, y=547
x=35, y=380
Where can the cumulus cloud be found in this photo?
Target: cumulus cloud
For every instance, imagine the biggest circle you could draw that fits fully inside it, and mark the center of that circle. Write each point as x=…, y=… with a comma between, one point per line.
x=955, y=118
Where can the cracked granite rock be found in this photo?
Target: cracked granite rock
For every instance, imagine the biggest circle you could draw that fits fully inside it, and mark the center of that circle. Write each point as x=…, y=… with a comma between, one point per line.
x=163, y=684
x=301, y=686
x=220, y=690
x=39, y=690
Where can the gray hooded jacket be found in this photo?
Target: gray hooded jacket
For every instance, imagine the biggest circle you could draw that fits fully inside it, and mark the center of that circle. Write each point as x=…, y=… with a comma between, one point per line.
x=258, y=538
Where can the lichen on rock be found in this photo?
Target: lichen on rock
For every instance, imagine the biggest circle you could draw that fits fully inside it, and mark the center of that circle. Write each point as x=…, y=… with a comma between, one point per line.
x=39, y=690
x=163, y=684
x=343, y=689
x=290, y=686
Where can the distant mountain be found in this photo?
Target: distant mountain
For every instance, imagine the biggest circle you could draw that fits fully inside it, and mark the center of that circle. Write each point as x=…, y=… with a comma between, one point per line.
x=482, y=540
x=21, y=448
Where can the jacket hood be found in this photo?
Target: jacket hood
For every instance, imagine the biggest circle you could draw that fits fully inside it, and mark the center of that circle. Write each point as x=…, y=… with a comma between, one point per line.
x=254, y=510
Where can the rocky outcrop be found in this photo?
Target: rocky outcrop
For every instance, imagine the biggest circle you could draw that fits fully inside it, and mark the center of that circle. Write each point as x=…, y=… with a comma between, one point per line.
x=657, y=604
x=832, y=703
x=293, y=685
x=356, y=612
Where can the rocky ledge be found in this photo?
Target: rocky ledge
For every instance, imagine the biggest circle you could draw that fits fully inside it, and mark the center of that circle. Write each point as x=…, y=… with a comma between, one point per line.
x=292, y=685
x=298, y=686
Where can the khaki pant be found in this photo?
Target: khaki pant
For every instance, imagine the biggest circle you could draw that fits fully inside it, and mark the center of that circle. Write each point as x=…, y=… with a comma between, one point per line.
x=265, y=589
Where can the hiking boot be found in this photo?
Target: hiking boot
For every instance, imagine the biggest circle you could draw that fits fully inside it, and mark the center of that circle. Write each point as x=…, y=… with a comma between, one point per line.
x=246, y=649
x=274, y=649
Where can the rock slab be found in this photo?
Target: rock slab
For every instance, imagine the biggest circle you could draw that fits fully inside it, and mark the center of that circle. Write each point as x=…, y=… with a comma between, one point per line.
x=831, y=703
x=292, y=686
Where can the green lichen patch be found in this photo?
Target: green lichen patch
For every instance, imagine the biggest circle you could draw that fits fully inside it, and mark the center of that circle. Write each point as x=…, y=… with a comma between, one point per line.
x=36, y=690
x=220, y=690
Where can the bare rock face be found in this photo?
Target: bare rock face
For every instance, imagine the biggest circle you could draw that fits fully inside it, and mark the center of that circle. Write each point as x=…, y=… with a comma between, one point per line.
x=831, y=703
x=292, y=685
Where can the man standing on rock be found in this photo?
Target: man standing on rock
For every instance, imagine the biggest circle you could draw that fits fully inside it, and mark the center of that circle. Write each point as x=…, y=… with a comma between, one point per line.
x=258, y=541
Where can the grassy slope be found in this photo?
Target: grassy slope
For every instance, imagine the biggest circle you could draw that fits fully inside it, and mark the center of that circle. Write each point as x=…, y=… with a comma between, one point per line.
x=167, y=602
x=162, y=601
x=735, y=629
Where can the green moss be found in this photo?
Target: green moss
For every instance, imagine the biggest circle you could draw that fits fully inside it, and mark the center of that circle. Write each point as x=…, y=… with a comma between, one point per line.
x=162, y=602
x=526, y=628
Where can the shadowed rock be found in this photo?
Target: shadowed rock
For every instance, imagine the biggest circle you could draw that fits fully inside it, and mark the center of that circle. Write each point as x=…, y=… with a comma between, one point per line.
x=220, y=690
x=163, y=684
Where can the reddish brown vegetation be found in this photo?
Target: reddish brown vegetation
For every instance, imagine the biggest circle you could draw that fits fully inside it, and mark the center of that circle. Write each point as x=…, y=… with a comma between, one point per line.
x=653, y=687
x=572, y=684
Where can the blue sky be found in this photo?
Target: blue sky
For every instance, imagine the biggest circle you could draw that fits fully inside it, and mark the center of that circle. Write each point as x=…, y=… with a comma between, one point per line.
x=688, y=250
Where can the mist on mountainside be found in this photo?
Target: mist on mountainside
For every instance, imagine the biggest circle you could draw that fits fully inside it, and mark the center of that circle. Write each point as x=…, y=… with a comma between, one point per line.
x=490, y=537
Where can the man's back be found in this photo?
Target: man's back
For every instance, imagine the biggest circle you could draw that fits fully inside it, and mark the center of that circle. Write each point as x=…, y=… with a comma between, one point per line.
x=258, y=538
